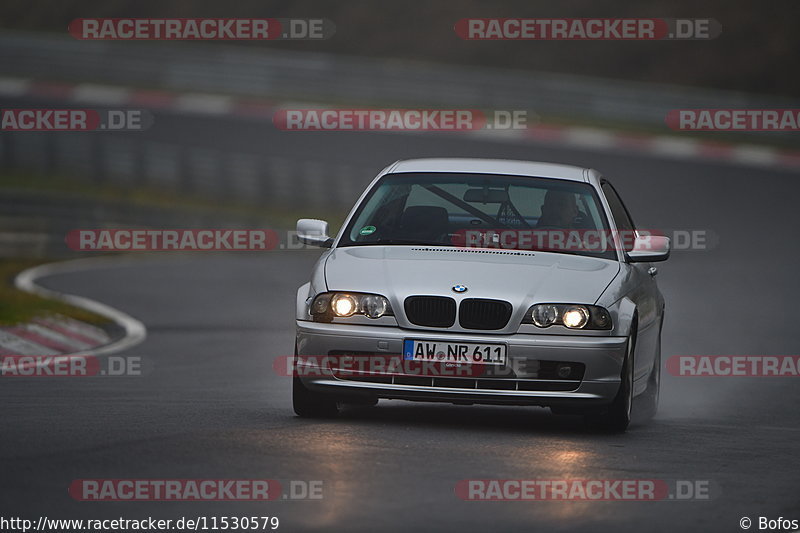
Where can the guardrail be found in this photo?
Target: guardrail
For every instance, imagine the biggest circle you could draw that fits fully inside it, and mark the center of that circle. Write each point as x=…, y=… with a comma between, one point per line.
x=277, y=169
x=264, y=72
x=183, y=167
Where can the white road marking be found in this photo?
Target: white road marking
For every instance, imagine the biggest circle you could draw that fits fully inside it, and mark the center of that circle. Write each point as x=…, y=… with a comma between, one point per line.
x=88, y=93
x=755, y=155
x=209, y=104
x=14, y=86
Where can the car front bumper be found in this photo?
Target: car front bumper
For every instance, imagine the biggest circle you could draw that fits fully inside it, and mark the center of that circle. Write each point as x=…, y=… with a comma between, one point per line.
x=602, y=357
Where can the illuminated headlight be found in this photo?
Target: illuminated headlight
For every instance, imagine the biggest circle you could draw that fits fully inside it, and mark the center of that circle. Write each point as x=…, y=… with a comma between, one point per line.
x=572, y=316
x=575, y=317
x=340, y=304
x=344, y=305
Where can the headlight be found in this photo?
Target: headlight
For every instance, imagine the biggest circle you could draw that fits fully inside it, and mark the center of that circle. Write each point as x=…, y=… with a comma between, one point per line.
x=544, y=315
x=374, y=306
x=573, y=316
x=343, y=304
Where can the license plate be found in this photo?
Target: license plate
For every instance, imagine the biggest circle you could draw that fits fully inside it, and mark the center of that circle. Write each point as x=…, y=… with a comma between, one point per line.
x=455, y=352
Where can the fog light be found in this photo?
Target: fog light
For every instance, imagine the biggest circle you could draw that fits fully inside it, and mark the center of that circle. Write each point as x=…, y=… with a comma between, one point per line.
x=564, y=371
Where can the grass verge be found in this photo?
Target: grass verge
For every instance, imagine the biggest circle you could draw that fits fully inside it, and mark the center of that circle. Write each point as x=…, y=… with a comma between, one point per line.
x=17, y=306
x=274, y=216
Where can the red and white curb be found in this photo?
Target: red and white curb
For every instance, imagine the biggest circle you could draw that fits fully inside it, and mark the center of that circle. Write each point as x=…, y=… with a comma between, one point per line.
x=52, y=335
x=59, y=335
x=669, y=146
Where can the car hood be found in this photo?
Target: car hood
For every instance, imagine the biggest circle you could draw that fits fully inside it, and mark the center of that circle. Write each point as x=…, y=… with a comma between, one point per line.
x=521, y=278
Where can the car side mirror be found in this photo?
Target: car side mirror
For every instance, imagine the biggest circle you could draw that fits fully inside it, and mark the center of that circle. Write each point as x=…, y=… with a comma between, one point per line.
x=649, y=249
x=314, y=232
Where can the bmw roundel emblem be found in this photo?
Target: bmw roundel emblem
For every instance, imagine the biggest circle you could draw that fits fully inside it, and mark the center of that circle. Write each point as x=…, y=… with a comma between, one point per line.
x=459, y=288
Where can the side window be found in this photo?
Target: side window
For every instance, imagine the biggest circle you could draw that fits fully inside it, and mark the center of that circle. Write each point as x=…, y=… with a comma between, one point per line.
x=620, y=214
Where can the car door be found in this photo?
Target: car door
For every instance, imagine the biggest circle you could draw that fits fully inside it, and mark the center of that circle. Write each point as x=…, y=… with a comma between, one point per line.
x=644, y=294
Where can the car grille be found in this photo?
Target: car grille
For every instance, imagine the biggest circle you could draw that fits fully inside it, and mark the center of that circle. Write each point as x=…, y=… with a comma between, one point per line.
x=476, y=313
x=431, y=311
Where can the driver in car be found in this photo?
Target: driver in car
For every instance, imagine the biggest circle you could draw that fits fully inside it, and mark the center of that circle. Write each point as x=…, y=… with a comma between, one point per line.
x=559, y=210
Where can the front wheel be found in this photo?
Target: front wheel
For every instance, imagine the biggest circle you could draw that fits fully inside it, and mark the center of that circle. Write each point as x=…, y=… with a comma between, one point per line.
x=649, y=398
x=617, y=416
x=310, y=404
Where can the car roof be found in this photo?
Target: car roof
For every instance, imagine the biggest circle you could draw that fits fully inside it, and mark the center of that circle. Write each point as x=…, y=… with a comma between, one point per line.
x=489, y=166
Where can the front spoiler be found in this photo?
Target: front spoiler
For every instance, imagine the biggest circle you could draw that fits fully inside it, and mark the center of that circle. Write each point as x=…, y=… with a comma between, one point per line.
x=602, y=355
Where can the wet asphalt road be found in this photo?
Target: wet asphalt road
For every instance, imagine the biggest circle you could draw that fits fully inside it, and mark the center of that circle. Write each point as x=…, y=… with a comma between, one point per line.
x=212, y=407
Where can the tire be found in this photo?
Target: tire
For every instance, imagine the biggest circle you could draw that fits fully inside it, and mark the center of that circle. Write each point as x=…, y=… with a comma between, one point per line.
x=617, y=416
x=310, y=404
x=649, y=398
x=366, y=401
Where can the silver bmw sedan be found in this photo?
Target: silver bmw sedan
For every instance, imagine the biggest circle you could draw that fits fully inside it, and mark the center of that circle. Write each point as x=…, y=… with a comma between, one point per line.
x=479, y=281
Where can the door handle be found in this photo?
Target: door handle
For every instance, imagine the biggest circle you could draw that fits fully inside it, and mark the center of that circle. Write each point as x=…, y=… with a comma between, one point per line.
x=652, y=271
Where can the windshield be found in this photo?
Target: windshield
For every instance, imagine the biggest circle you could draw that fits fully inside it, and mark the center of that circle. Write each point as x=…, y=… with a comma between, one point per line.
x=482, y=211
